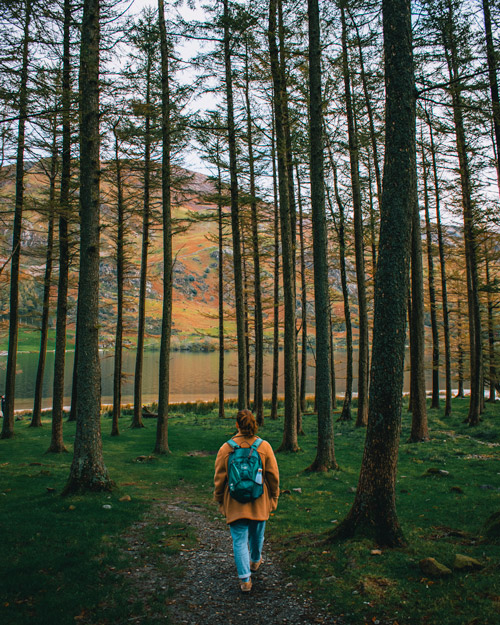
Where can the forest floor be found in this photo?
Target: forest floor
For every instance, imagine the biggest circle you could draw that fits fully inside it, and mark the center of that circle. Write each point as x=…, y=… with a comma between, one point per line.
x=156, y=550
x=206, y=590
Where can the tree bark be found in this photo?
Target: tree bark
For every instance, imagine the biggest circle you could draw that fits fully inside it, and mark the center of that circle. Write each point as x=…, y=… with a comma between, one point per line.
x=221, y=286
x=57, y=443
x=340, y=229
x=442, y=263
x=88, y=471
x=491, y=332
x=36, y=419
x=276, y=290
x=363, y=358
x=137, y=421
x=374, y=508
x=161, y=445
x=419, y=428
x=303, y=298
x=10, y=374
x=235, y=218
x=325, y=454
x=120, y=270
x=492, y=59
x=432, y=288
x=290, y=441
x=475, y=333
x=258, y=405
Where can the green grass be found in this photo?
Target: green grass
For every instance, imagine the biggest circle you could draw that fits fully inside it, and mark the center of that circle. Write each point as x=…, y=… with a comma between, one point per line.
x=61, y=557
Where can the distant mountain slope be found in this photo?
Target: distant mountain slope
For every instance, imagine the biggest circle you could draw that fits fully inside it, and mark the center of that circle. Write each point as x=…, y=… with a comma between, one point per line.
x=196, y=257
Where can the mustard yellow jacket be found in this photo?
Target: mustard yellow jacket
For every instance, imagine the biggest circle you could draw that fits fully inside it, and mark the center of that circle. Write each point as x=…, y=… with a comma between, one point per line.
x=259, y=509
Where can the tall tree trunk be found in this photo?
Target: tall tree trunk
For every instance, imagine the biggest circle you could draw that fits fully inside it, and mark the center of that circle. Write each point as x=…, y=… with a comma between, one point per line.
x=120, y=270
x=246, y=315
x=442, y=263
x=303, y=297
x=369, y=111
x=363, y=358
x=340, y=229
x=475, y=334
x=325, y=454
x=36, y=419
x=374, y=509
x=290, y=441
x=419, y=429
x=88, y=471
x=373, y=236
x=492, y=58
x=235, y=218
x=161, y=445
x=276, y=291
x=491, y=332
x=432, y=288
x=221, y=286
x=461, y=353
x=57, y=443
x=74, y=382
x=10, y=374
x=137, y=421
x=259, y=328
x=332, y=364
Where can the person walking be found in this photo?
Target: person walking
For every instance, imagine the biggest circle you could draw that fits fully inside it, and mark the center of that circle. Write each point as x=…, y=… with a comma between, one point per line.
x=247, y=519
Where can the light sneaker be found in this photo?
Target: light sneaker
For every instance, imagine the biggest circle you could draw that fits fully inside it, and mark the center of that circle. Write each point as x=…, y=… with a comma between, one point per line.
x=246, y=586
x=254, y=566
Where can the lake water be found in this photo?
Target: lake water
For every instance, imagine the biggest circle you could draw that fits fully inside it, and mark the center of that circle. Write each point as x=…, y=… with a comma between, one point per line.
x=194, y=376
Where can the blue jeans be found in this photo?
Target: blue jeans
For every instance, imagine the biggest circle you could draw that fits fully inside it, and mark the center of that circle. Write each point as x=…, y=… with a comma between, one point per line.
x=248, y=539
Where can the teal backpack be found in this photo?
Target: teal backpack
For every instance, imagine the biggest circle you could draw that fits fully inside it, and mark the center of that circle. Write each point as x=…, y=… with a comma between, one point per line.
x=245, y=472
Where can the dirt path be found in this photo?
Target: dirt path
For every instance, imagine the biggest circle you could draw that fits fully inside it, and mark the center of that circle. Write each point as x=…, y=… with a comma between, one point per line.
x=207, y=591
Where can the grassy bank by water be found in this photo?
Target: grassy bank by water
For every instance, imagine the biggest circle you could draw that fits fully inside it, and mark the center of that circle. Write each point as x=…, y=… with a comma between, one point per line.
x=62, y=558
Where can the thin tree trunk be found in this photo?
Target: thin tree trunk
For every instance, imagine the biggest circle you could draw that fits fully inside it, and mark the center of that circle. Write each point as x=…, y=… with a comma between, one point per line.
x=120, y=270
x=221, y=286
x=246, y=317
x=276, y=291
x=369, y=110
x=432, y=288
x=491, y=332
x=290, y=441
x=10, y=374
x=258, y=406
x=137, y=421
x=442, y=263
x=373, y=236
x=419, y=429
x=325, y=454
x=332, y=364
x=303, y=294
x=161, y=445
x=492, y=58
x=235, y=219
x=36, y=419
x=340, y=229
x=363, y=358
x=475, y=335
x=57, y=443
x=74, y=382
x=374, y=509
x=88, y=471
x=461, y=354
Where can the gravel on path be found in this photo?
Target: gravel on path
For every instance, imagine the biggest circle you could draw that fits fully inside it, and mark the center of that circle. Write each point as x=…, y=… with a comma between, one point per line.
x=207, y=592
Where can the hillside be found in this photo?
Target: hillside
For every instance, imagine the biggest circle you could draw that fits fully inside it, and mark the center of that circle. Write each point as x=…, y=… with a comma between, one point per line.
x=195, y=269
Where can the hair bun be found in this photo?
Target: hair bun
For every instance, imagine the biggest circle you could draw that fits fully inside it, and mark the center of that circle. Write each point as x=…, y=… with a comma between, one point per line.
x=246, y=422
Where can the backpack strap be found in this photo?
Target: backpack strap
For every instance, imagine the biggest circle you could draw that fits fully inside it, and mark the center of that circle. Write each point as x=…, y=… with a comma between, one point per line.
x=233, y=444
x=256, y=443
